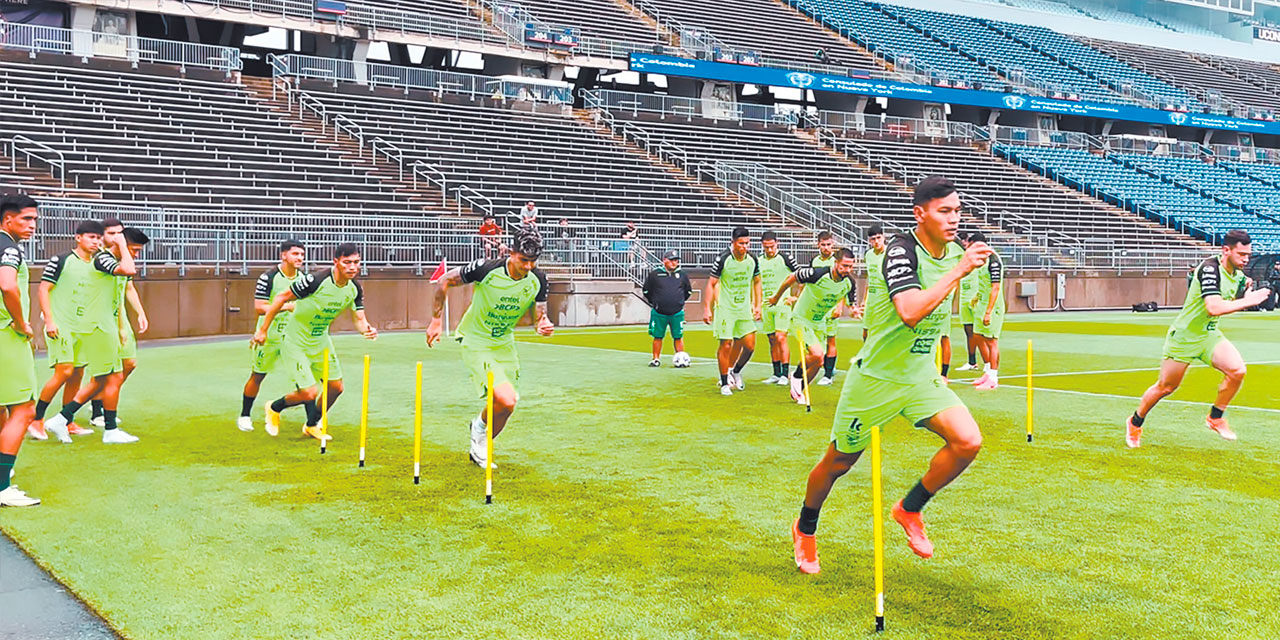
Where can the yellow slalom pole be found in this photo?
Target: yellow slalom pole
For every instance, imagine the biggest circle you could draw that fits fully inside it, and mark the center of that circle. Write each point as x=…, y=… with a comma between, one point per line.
x=804, y=369
x=1030, y=395
x=324, y=403
x=417, y=425
x=364, y=409
x=877, y=523
x=488, y=436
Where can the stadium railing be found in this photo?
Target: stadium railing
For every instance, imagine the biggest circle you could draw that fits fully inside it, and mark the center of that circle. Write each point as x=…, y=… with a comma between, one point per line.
x=796, y=202
x=37, y=39
x=688, y=108
x=894, y=126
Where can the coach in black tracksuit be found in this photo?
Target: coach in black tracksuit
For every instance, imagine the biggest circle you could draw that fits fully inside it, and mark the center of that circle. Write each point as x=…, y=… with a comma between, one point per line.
x=666, y=289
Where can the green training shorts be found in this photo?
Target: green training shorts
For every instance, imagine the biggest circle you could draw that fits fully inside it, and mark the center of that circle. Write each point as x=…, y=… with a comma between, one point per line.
x=62, y=350
x=501, y=360
x=989, y=329
x=731, y=327
x=18, y=381
x=659, y=323
x=811, y=332
x=306, y=366
x=129, y=345
x=99, y=351
x=1187, y=349
x=266, y=356
x=866, y=402
x=833, y=326
x=776, y=318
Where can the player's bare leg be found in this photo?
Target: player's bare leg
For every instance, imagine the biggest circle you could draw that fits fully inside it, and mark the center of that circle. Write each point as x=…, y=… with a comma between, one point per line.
x=504, y=404
x=724, y=354
x=829, y=362
x=744, y=348
x=944, y=350
x=679, y=342
x=1171, y=374
x=822, y=479
x=657, y=348
x=963, y=439
x=16, y=418
x=61, y=378
x=971, y=347
x=1226, y=358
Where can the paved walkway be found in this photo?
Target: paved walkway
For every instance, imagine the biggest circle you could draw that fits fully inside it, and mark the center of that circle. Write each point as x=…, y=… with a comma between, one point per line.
x=34, y=606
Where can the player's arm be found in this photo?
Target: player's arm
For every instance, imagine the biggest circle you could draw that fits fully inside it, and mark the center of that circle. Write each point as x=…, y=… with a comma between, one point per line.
x=357, y=315
x=686, y=285
x=1211, y=290
x=713, y=292
x=541, y=321
x=648, y=286
x=48, y=280
x=851, y=300
x=788, y=284
x=756, y=297
x=10, y=292
x=277, y=303
x=451, y=278
x=901, y=276
x=135, y=302
x=122, y=266
x=262, y=294
x=996, y=271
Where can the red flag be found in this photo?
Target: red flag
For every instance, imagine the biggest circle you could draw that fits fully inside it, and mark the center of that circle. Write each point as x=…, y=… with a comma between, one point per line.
x=439, y=272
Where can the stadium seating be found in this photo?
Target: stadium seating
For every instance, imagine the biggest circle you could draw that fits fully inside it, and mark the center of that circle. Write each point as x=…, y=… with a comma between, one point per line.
x=1187, y=71
x=1174, y=204
x=186, y=142
x=602, y=19
x=1218, y=181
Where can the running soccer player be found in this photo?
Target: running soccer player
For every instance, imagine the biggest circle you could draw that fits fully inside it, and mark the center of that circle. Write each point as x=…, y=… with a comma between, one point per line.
x=874, y=259
x=1218, y=288
x=101, y=337
x=826, y=258
x=666, y=290
x=18, y=215
x=894, y=374
x=271, y=283
x=824, y=289
x=125, y=294
x=61, y=286
x=317, y=300
x=733, y=304
x=988, y=315
x=775, y=266
x=967, y=286
x=504, y=291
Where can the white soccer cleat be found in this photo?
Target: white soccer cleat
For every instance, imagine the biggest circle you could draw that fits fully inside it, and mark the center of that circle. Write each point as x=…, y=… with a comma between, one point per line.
x=57, y=425
x=12, y=496
x=726, y=390
x=101, y=422
x=770, y=380
x=783, y=381
x=655, y=363
x=478, y=431
x=477, y=454
x=117, y=436
x=738, y=382
x=244, y=423
x=825, y=381
x=967, y=367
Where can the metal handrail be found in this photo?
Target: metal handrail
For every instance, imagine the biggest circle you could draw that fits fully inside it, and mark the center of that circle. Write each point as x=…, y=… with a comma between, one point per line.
x=37, y=39
x=60, y=163
x=432, y=175
x=476, y=200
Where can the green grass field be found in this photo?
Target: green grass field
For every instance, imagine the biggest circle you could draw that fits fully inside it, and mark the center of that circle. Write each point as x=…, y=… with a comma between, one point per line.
x=639, y=503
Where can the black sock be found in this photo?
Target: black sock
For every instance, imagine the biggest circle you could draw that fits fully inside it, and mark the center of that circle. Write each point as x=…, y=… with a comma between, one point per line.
x=743, y=360
x=6, y=465
x=313, y=413
x=916, y=498
x=1215, y=412
x=1137, y=419
x=246, y=405
x=279, y=405
x=783, y=367
x=41, y=407
x=829, y=366
x=777, y=368
x=799, y=373
x=108, y=420
x=724, y=379
x=946, y=366
x=808, y=524
x=69, y=410
x=97, y=408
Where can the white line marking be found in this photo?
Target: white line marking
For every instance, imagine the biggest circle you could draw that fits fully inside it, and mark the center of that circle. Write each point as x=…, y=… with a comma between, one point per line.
x=1103, y=371
x=1116, y=395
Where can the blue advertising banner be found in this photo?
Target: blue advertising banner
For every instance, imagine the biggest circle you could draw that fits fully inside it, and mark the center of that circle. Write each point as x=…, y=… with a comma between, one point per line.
x=769, y=76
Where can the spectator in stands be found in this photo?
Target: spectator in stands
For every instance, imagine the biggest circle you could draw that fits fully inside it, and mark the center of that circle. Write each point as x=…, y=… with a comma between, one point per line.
x=490, y=237
x=630, y=234
x=529, y=214
x=565, y=235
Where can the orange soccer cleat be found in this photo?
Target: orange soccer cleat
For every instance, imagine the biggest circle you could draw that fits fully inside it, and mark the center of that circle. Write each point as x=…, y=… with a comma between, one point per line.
x=1132, y=434
x=913, y=524
x=1219, y=426
x=806, y=548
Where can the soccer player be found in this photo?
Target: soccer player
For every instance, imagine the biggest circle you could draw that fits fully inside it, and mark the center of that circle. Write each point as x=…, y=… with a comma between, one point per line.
x=826, y=258
x=61, y=287
x=126, y=293
x=775, y=266
x=824, y=289
x=894, y=373
x=874, y=259
x=967, y=286
x=504, y=291
x=733, y=304
x=317, y=300
x=666, y=289
x=1218, y=288
x=271, y=283
x=18, y=215
x=101, y=337
x=988, y=315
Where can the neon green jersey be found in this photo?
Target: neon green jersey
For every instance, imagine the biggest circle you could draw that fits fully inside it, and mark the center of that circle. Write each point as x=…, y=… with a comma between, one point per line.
x=271, y=284
x=875, y=262
x=987, y=278
x=819, y=261
x=320, y=300
x=894, y=351
x=1209, y=279
x=96, y=301
x=822, y=292
x=13, y=257
x=737, y=277
x=773, y=271
x=69, y=274
x=968, y=286
x=498, y=302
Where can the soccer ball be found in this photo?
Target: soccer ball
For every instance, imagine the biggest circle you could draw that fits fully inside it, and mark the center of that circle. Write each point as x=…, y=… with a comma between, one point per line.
x=681, y=360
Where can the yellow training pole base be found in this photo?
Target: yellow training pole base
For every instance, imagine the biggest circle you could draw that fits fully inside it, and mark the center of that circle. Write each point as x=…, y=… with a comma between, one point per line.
x=488, y=431
x=364, y=410
x=324, y=404
x=877, y=521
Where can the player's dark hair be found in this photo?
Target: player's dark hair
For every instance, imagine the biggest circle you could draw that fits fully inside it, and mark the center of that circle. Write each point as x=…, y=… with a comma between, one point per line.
x=977, y=236
x=90, y=226
x=526, y=241
x=291, y=244
x=107, y=223
x=346, y=249
x=932, y=188
x=843, y=253
x=1235, y=237
x=768, y=235
x=875, y=230
x=824, y=235
x=741, y=232
x=134, y=235
x=16, y=203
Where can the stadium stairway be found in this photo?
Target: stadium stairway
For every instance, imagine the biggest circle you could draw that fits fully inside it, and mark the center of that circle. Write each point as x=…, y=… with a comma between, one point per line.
x=37, y=179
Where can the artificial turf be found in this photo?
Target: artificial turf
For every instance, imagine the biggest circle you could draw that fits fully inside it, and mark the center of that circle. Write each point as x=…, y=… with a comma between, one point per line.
x=639, y=503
